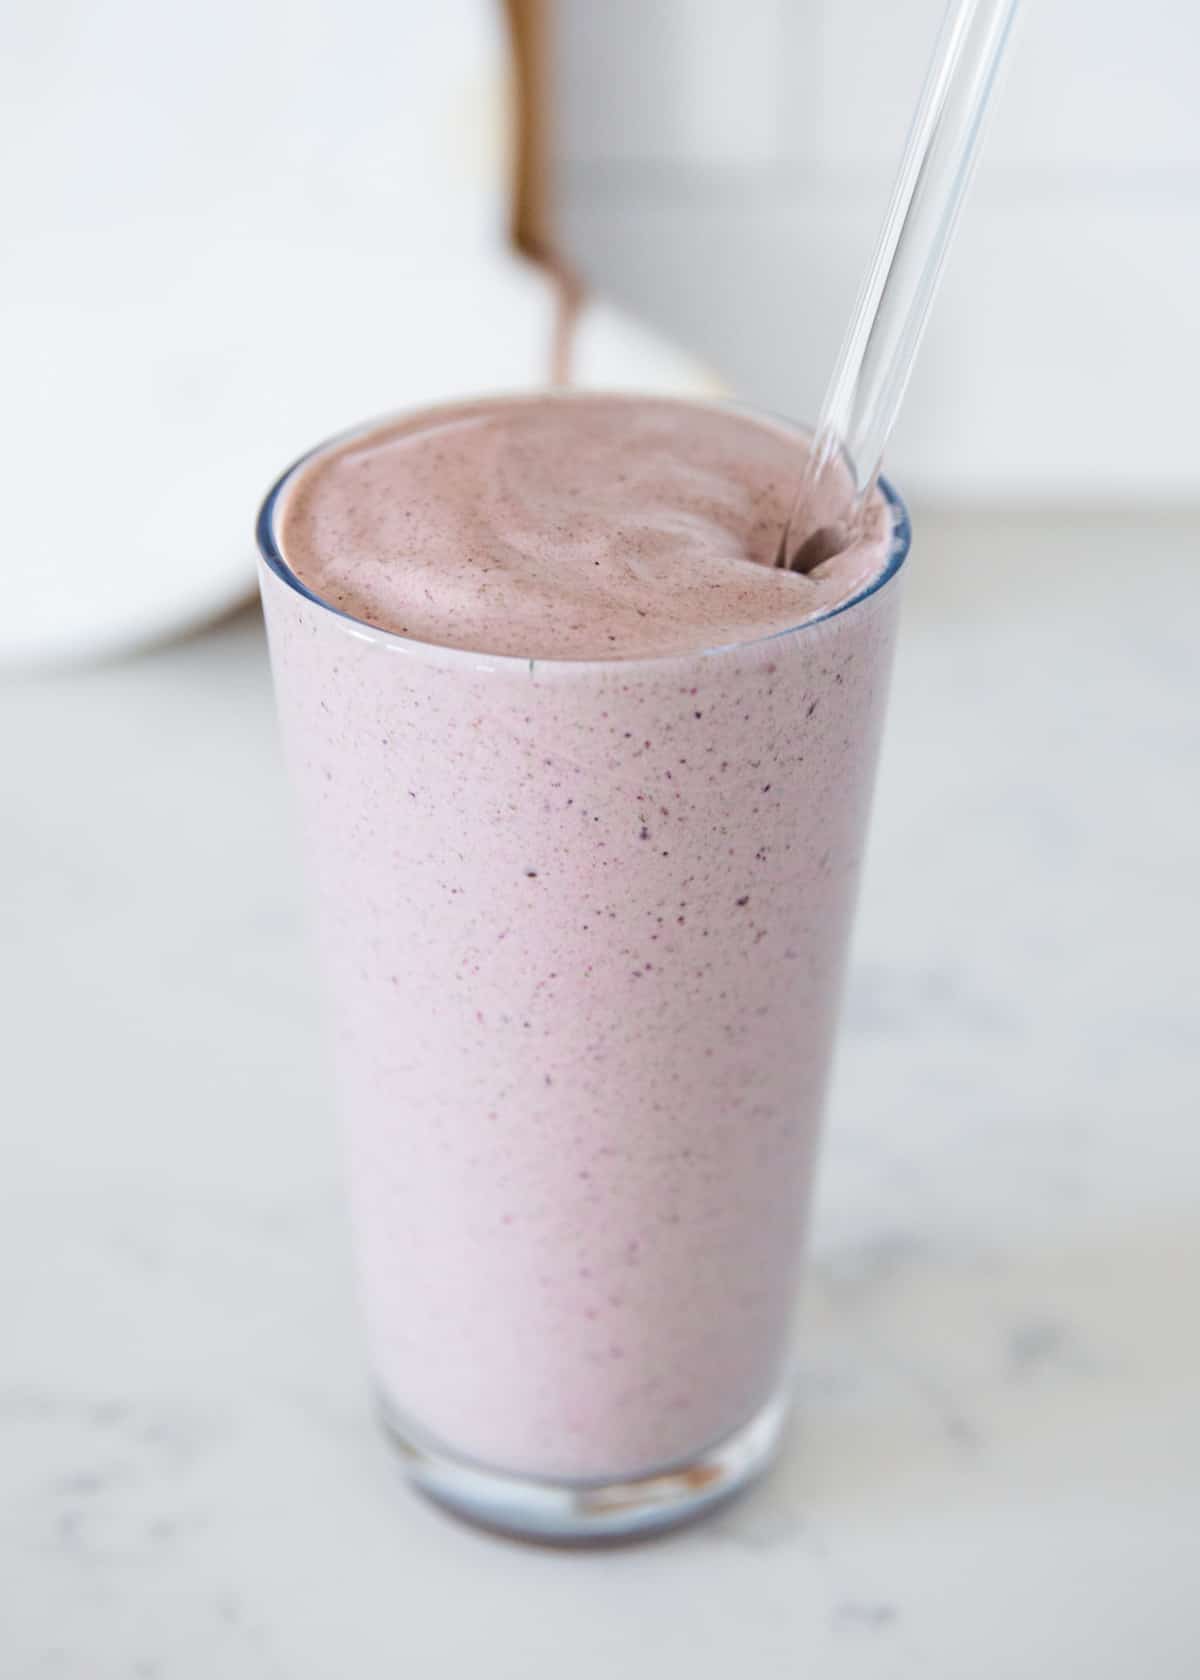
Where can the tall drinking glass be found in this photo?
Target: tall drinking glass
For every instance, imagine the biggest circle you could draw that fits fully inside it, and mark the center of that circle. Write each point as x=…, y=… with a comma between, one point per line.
x=584, y=925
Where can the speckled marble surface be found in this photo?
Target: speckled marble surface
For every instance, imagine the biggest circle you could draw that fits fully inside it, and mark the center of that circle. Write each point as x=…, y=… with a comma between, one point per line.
x=995, y=1464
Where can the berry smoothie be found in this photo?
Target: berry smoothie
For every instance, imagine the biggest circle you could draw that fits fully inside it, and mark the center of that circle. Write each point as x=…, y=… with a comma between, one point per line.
x=585, y=784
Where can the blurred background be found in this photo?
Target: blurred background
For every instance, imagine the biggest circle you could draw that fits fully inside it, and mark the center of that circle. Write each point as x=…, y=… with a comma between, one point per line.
x=723, y=169
x=232, y=231
x=226, y=238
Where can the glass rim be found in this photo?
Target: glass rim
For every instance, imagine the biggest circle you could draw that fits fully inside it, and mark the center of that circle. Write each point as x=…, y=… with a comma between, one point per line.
x=271, y=553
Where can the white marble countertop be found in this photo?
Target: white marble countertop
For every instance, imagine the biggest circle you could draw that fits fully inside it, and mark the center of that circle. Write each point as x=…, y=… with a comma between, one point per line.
x=995, y=1465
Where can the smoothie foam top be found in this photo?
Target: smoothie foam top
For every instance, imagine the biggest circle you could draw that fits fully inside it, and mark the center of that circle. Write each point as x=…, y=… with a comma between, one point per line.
x=565, y=527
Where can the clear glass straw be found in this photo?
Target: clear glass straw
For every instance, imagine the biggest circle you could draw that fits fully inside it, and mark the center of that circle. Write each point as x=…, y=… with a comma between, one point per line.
x=889, y=319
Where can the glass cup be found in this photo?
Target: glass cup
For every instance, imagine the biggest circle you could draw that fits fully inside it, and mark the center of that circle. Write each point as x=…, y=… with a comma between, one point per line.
x=584, y=925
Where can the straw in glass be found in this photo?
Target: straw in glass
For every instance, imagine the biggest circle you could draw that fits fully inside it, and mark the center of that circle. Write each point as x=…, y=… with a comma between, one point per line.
x=889, y=319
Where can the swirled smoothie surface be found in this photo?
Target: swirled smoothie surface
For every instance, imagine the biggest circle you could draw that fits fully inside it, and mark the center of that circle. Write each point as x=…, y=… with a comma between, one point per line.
x=581, y=527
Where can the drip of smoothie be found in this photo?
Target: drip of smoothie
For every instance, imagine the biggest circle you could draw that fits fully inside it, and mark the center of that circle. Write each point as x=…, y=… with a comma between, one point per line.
x=590, y=527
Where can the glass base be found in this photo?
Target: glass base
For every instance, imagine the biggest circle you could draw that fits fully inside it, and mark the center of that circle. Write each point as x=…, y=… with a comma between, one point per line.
x=536, y=1509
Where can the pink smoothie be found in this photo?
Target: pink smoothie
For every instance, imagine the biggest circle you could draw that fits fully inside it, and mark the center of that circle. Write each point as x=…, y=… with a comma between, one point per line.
x=585, y=783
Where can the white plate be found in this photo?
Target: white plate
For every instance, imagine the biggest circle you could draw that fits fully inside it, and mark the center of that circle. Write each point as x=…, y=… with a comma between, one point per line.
x=226, y=237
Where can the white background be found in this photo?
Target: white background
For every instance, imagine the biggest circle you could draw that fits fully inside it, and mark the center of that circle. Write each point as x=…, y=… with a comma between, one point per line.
x=723, y=168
